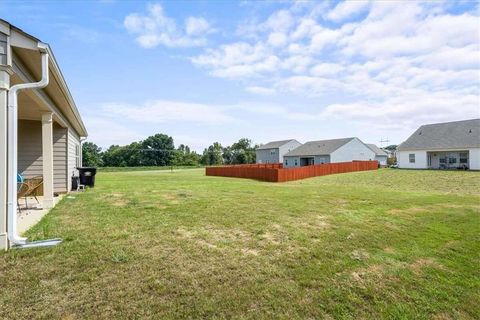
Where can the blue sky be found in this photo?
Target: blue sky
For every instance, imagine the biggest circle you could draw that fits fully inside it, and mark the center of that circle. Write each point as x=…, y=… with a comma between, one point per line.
x=210, y=71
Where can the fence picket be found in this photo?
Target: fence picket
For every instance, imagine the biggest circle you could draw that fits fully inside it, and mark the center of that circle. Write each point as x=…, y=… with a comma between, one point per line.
x=274, y=172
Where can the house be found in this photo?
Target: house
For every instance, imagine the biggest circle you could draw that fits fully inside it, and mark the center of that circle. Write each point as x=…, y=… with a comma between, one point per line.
x=380, y=155
x=442, y=146
x=328, y=151
x=40, y=134
x=273, y=152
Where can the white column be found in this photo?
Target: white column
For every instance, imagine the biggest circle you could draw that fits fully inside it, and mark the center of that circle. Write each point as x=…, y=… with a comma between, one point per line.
x=4, y=86
x=47, y=159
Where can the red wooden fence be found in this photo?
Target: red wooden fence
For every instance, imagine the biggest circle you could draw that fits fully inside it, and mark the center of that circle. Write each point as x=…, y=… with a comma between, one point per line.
x=276, y=173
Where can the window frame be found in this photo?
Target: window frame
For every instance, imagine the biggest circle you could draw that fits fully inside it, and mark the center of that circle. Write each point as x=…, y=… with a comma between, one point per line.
x=411, y=158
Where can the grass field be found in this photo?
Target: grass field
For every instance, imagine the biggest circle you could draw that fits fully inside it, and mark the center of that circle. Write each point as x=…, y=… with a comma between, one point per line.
x=379, y=244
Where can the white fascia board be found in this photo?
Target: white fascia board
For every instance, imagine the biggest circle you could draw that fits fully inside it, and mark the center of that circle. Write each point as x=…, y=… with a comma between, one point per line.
x=22, y=40
x=66, y=91
x=23, y=74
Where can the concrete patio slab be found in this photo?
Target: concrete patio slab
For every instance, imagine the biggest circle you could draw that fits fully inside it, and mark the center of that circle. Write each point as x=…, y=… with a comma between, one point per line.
x=32, y=213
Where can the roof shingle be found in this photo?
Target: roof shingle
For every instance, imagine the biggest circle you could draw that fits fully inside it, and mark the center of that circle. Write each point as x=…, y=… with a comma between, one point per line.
x=448, y=135
x=377, y=150
x=275, y=144
x=321, y=147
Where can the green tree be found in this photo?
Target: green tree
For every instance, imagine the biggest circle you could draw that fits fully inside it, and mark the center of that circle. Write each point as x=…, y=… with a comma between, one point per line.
x=113, y=157
x=213, y=155
x=227, y=155
x=91, y=155
x=185, y=157
x=243, y=151
x=391, y=147
x=158, y=150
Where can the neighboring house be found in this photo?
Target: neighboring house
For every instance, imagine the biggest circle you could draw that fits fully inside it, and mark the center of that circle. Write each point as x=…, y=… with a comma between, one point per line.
x=43, y=125
x=273, y=152
x=380, y=155
x=328, y=151
x=442, y=146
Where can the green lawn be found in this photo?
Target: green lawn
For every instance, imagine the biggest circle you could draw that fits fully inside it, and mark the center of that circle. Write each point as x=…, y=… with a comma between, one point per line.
x=155, y=244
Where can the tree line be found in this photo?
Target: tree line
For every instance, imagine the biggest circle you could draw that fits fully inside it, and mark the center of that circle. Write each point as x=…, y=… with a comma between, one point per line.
x=159, y=150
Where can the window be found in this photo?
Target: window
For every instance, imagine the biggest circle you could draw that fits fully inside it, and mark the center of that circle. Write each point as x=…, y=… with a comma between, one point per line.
x=463, y=157
x=77, y=156
x=296, y=163
x=286, y=162
x=411, y=157
x=272, y=152
x=452, y=160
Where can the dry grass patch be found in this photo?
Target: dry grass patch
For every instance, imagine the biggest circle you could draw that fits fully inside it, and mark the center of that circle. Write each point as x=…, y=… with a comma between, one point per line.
x=187, y=246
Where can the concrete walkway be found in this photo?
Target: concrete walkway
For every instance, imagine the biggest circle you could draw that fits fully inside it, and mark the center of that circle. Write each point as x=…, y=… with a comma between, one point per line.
x=29, y=216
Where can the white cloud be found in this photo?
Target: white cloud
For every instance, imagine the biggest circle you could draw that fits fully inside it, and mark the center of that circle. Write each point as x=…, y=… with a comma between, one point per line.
x=400, y=62
x=281, y=20
x=239, y=60
x=105, y=131
x=161, y=111
x=197, y=26
x=261, y=90
x=346, y=9
x=399, y=111
x=156, y=28
x=277, y=39
x=326, y=69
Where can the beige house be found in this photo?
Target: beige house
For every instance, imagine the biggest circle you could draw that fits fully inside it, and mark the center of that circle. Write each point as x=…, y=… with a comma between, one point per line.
x=40, y=127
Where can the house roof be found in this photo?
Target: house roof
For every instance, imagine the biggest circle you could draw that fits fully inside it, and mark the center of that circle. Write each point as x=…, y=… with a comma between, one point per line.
x=321, y=147
x=448, y=135
x=377, y=150
x=25, y=50
x=275, y=144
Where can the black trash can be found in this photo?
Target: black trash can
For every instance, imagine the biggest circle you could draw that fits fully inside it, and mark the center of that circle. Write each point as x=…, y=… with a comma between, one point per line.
x=75, y=183
x=87, y=176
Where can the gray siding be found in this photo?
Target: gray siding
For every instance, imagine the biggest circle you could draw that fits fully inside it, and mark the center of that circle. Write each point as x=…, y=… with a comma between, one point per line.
x=322, y=159
x=289, y=162
x=74, y=154
x=30, y=148
x=59, y=159
x=30, y=161
x=275, y=155
x=352, y=150
x=267, y=156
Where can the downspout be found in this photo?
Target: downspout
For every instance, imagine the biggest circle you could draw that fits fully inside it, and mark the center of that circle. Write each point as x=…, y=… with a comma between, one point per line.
x=81, y=150
x=12, y=154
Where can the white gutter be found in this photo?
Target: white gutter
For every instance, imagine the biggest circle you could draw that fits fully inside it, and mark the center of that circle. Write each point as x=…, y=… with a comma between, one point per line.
x=12, y=154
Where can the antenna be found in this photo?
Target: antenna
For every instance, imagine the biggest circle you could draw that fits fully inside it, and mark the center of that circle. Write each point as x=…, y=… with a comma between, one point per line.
x=382, y=141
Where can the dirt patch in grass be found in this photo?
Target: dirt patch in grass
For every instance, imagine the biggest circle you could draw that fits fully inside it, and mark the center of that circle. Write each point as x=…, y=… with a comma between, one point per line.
x=372, y=271
x=119, y=202
x=389, y=250
x=359, y=254
x=420, y=264
x=442, y=316
x=251, y=252
x=408, y=211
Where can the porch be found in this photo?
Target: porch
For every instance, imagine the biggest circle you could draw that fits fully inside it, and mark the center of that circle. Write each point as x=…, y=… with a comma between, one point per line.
x=30, y=212
x=42, y=149
x=40, y=128
x=448, y=159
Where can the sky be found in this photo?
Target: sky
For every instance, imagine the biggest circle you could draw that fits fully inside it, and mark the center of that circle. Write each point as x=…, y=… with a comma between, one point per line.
x=205, y=71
